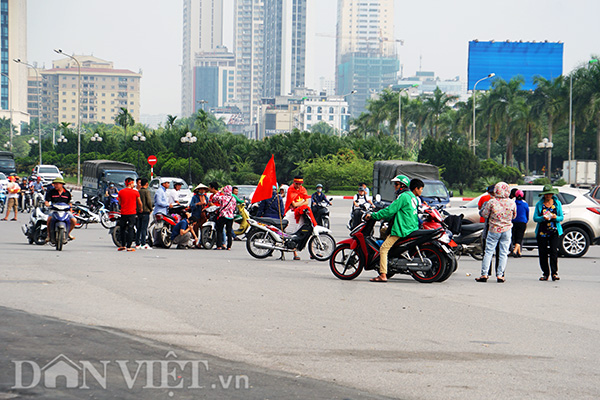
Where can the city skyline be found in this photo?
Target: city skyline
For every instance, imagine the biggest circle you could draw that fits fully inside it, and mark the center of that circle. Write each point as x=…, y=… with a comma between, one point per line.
x=435, y=34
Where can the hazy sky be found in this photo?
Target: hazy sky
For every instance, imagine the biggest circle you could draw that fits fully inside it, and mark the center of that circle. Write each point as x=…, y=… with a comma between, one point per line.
x=146, y=35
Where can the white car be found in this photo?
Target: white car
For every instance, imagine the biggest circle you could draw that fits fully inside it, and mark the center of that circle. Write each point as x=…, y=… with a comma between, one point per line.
x=3, y=181
x=184, y=195
x=47, y=172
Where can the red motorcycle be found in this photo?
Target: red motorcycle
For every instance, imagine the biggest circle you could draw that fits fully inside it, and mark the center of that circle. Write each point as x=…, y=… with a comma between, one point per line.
x=424, y=254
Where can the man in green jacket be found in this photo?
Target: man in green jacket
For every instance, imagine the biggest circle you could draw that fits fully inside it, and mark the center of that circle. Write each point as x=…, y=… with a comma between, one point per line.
x=403, y=215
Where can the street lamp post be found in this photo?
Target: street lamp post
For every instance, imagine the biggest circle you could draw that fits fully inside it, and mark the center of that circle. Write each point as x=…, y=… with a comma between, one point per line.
x=139, y=137
x=37, y=77
x=62, y=139
x=202, y=103
x=189, y=139
x=474, y=94
x=547, y=145
x=59, y=51
x=96, y=138
x=9, y=106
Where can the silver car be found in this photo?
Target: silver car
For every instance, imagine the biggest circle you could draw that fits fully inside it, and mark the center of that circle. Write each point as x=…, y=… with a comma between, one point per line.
x=581, y=224
x=183, y=196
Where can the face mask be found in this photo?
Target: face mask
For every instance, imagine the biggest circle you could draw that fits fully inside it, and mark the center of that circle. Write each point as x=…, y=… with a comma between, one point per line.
x=319, y=189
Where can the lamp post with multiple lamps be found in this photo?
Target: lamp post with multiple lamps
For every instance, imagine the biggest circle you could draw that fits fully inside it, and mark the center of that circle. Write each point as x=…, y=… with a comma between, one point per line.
x=62, y=139
x=547, y=145
x=59, y=51
x=9, y=107
x=189, y=139
x=474, y=94
x=139, y=138
x=37, y=77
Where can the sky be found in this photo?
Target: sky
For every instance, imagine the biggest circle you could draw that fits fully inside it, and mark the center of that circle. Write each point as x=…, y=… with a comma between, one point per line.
x=146, y=35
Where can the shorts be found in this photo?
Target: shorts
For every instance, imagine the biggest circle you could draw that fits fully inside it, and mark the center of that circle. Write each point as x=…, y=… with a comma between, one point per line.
x=12, y=203
x=518, y=231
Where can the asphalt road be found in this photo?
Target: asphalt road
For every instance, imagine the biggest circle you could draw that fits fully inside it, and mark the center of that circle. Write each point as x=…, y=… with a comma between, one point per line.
x=293, y=320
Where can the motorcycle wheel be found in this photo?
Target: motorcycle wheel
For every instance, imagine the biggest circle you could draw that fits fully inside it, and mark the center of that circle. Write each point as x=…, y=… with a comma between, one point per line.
x=345, y=263
x=438, y=265
x=115, y=235
x=451, y=266
x=38, y=238
x=208, y=237
x=165, y=236
x=78, y=221
x=478, y=255
x=1, y=207
x=259, y=236
x=326, y=222
x=60, y=238
x=321, y=251
x=105, y=221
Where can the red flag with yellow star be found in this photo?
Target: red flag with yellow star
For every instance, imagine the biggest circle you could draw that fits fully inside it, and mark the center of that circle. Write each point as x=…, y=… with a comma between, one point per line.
x=264, y=190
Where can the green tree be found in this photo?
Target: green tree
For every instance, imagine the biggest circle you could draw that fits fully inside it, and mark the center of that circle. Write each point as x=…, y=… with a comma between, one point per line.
x=124, y=119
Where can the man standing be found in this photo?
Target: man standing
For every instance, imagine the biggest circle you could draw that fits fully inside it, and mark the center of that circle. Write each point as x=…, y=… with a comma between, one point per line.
x=403, y=211
x=130, y=202
x=58, y=194
x=12, y=197
x=143, y=216
x=174, y=194
x=183, y=232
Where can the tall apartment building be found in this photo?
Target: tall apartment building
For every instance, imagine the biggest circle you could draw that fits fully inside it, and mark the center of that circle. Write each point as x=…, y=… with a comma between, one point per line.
x=365, y=55
x=285, y=46
x=13, y=44
x=202, y=32
x=104, y=90
x=249, y=58
x=214, y=77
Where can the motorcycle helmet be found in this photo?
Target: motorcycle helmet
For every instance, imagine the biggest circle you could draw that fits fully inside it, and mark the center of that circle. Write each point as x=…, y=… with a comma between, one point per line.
x=402, y=179
x=319, y=185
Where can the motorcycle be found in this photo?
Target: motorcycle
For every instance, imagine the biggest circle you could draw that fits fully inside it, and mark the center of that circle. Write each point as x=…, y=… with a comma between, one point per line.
x=84, y=216
x=362, y=210
x=424, y=254
x=208, y=231
x=263, y=239
x=96, y=206
x=27, y=202
x=160, y=229
x=36, y=230
x=241, y=218
x=59, y=229
x=38, y=199
x=113, y=202
x=321, y=213
x=2, y=200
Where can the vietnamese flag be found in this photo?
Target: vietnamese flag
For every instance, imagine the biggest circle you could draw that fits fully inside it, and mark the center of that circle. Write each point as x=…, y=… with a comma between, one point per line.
x=264, y=190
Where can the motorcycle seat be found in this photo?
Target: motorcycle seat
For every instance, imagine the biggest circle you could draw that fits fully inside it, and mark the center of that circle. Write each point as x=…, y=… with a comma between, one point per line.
x=470, y=228
x=272, y=221
x=421, y=232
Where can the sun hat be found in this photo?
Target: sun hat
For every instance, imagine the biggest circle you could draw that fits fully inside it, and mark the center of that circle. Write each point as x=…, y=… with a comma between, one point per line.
x=402, y=179
x=59, y=180
x=548, y=189
x=200, y=186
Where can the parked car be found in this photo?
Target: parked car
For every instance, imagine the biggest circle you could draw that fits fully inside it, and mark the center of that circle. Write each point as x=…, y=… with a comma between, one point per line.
x=47, y=172
x=245, y=192
x=581, y=224
x=185, y=194
x=3, y=180
x=595, y=193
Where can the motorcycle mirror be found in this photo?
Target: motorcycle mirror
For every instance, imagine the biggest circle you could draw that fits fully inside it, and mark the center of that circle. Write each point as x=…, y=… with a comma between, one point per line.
x=378, y=197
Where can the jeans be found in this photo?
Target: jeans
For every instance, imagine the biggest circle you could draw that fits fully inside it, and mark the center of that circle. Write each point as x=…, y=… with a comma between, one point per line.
x=142, y=229
x=127, y=224
x=493, y=238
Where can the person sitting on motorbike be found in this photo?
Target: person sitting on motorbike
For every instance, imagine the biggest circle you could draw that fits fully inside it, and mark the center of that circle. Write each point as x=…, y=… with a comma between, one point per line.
x=401, y=183
x=38, y=186
x=295, y=203
x=317, y=201
x=58, y=194
x=360, y=204
x=111, y=193
x=271, y=208
x=403, y=215
x=161, y=199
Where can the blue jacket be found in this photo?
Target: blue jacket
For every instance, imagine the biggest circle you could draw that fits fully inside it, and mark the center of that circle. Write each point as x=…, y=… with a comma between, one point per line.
x=318, y=197
x=539, y=218
x=522, y=211
x=161, y=201
x=269, y=207
x=195, y=206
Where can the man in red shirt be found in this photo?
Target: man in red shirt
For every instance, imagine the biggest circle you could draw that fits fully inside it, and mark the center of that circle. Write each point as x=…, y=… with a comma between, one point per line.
x=484, y=199
x=130, y=203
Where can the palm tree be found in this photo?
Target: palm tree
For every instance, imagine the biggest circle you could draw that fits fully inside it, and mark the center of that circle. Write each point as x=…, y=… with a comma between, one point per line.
x=549, y=99
x=124, y=119
x=437, y=105
x=417, y=113
x=587, y=95
x=170, y=122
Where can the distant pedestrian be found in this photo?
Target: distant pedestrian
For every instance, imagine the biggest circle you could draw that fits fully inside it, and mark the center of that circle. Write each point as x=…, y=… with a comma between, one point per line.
x=548, y=214
x=520, y=222
x=499, y=211
x=143, y=217
x=12, y=197
x=129, y=202
x=227, y=203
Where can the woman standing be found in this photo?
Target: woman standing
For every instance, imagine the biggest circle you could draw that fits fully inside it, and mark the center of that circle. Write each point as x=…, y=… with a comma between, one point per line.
x=500, y=211
x=519, y=223
x=225, y=219
x=548, y=214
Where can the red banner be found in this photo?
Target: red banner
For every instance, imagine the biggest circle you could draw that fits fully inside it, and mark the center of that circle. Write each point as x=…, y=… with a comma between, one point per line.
x=264, y=190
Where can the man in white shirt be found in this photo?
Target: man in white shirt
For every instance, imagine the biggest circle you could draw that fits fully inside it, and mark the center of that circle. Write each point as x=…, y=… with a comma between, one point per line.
x=361, y=203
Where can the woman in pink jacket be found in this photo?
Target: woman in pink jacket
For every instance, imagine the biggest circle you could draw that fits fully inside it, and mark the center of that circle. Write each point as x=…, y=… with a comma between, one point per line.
x=500, y=211
x=225, y=219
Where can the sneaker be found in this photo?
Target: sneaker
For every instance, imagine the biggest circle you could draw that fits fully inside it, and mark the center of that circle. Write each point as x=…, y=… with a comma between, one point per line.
x=131, y=249
x=138, y=247
x=181, y=246
x=146, y=247
x=121, y=249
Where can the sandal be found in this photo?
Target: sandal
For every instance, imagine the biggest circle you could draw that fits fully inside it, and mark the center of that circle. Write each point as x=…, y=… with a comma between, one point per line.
x=482, y=279
x=4, y=219
x=500, y=279
x=378, y=279
x=544, y=278
x=555, y=277
x=296, y=257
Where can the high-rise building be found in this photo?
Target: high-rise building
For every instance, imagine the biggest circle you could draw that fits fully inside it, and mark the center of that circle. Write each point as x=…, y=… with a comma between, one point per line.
x=202, y=32
x=249, y=53
x=13, y=45
x=366, y=59
x=285, y=46
x=104, y=91
x=214, y=77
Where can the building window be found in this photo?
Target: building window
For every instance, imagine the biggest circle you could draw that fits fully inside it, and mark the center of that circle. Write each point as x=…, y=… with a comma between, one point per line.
x=343, y=110
x=309, y=117
x=331, y=117
x=330, y=110
x=320, y=110
x=319, y=117
x=309, y=110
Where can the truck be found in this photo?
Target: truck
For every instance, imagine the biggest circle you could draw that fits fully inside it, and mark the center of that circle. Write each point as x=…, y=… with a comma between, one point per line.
x=580, y=172
x=434, y=193
x=98, y=174
x=7, y=163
